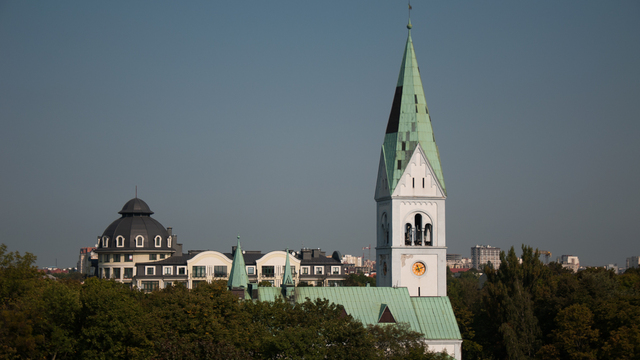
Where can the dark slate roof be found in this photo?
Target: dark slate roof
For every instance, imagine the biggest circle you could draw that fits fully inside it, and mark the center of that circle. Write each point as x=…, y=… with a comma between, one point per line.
x=250, y=257
x=320, y=261
x=172, y=260
x=136, y=206
x=136, y=220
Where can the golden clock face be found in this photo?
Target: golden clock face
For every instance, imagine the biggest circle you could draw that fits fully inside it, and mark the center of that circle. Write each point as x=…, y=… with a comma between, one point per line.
x=419, y=268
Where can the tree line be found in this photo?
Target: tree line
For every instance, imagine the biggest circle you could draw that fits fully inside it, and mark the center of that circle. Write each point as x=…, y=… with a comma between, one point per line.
x=43, y=318
x=521, y=310
x=528, y=310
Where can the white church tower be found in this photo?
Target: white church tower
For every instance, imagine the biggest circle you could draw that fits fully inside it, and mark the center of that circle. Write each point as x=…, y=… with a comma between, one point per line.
x=410, y=193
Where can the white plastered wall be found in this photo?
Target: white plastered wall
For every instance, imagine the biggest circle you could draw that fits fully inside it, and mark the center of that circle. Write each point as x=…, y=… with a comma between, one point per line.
x=209, y=259
x=277, y=259
x=452, y=347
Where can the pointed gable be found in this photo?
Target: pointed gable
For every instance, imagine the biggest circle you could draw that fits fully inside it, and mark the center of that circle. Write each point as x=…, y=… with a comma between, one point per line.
x=385, y=315
x=418, y=178
x=409, y=123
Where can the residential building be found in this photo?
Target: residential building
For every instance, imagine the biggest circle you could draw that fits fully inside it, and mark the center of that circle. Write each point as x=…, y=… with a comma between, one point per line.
x=133, y=238
x=456, y=261
x=352, y=260
x=633, y=262
x=88, y=261
x=482, y=255
x=570, y=262
x=311, y=266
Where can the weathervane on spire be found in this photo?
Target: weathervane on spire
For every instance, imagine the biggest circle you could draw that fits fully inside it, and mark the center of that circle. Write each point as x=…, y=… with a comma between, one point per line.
x=409, y=24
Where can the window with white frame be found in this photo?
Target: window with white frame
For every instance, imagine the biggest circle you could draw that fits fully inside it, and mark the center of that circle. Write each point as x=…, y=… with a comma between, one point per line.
x=158, y=240
x=120, y=241
x=305, y=270
x=251, y=270
x=181, y=270
x=149, y=270
x=318, y=270
x=139, y=241
x=167, y=270
x=169, y=241
x=335, y=270
x=105, y=241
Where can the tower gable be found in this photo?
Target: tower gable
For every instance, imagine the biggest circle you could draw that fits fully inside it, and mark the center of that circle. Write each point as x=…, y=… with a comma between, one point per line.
x=418, y=178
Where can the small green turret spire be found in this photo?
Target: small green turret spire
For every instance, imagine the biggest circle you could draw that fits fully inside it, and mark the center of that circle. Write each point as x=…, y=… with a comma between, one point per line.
x=287, y=279
x=238, y=277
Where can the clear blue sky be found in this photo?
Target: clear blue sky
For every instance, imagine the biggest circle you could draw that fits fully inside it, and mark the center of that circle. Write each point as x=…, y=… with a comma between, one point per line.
x=265, y=119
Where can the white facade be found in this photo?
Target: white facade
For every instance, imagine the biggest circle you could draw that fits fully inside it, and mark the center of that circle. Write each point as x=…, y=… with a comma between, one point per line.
x=570, y=262
x=411, y=230
x=482, y=255
x=276, y=260
x=350, y=259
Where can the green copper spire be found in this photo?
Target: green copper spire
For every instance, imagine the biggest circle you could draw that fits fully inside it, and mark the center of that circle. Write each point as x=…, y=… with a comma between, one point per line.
x=238, y=277
x=287, y=279
x=409, y=123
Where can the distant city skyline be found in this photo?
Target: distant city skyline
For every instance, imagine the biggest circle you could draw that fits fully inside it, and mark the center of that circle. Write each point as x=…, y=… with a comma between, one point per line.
x=266, y=120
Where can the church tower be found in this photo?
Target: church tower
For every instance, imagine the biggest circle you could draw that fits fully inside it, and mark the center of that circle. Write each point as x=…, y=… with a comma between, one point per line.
x=410, y=192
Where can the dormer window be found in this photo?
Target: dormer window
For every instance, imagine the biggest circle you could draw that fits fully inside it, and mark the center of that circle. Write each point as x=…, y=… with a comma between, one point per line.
x=105, y=241
x=169, y=241
x=139, y=241
x=120, y=241
x=158, y=240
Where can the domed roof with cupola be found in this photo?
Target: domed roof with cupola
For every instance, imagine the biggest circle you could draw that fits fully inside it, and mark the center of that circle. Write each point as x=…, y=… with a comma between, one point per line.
x=135, y=231
x=136, y=206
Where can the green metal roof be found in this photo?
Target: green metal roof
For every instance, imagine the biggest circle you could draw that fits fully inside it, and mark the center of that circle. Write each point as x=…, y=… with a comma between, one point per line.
x=409, y=123
x=431, y=316
x=238, y=277
x=269, y=294
x=434, y=315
